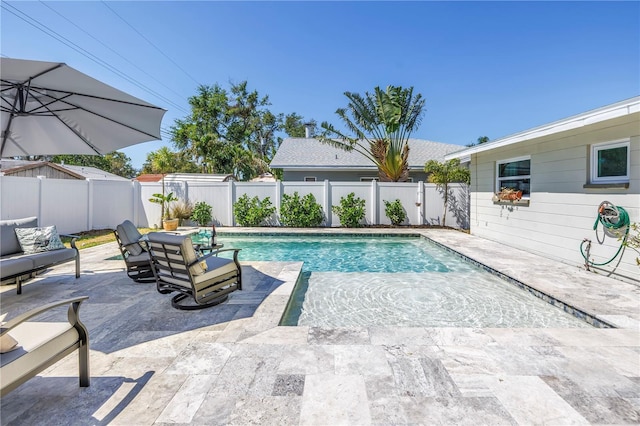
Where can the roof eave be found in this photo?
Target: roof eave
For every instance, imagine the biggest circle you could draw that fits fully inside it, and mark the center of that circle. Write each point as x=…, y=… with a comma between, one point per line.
x=608, y=112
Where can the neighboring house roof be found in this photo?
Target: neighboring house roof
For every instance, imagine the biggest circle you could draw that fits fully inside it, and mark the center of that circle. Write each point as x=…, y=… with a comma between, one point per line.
x=149, y=177
x=10, y=167
x=618, y=109
x=303, y=153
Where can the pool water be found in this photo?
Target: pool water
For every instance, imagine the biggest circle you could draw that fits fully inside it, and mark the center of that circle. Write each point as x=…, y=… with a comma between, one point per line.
x=395, y=281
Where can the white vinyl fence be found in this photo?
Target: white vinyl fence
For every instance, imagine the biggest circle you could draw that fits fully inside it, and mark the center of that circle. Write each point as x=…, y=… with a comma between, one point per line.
x=75, y=206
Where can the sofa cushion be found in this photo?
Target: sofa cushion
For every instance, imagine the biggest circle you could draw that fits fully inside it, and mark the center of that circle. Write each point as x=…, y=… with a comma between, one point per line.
x=15, y=265
x=8, y=240
x=36, y=240
x=50, y=257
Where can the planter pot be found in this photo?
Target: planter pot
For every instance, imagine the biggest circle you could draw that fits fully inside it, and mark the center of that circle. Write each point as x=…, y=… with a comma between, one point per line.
x=170, y=224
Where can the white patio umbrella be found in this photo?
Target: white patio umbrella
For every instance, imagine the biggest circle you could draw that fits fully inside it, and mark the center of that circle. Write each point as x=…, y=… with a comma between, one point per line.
x=49, y=108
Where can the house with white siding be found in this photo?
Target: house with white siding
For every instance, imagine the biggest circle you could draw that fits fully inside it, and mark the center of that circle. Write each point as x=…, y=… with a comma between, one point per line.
x=565, y=170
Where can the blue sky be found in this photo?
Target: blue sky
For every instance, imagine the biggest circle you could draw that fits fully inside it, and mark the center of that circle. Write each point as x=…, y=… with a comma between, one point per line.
x=485, y=68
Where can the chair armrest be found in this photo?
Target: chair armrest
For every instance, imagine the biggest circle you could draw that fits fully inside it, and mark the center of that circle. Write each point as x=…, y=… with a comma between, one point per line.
x=74, y=238
x=73, y=309
x=201, y=258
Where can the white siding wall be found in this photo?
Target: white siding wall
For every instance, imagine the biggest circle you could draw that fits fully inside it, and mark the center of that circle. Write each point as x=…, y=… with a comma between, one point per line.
x=561, y=212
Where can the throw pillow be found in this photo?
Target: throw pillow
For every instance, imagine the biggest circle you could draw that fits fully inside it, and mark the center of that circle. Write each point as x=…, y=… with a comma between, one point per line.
x=7, y=343
x=36, y=240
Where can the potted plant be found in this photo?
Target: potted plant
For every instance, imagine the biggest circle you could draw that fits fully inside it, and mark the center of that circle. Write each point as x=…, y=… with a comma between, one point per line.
x=168, y=223
x=201, y=213
x=181, y=210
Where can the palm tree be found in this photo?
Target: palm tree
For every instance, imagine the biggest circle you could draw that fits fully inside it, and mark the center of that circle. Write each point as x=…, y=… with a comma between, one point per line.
x=442, y=174
x=162, y=161
x=382, y=123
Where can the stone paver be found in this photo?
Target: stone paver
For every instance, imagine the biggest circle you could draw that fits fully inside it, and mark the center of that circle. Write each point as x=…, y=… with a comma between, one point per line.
x=233, y=364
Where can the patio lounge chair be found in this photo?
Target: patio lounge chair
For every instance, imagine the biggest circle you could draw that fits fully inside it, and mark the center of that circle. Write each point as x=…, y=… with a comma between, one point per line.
x=134, y=252
x=30, y=347
x=207, y=279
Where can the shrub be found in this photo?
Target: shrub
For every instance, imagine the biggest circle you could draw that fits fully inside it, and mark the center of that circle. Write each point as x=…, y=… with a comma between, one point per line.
x=252, y=212
x=201, y=213
x=300, y=212
x=350, y=211
x=395, y=212
x=181, y=210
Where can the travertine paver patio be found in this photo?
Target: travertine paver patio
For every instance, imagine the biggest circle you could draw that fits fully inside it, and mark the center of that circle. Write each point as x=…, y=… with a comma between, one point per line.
x=232, y=364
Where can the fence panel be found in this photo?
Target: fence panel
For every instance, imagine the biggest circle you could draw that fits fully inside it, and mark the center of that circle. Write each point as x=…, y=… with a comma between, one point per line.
x=112, y=203
x=65, y=203
x=337, y=190
x=76, y=206
x=407, y=193
x=19, y=197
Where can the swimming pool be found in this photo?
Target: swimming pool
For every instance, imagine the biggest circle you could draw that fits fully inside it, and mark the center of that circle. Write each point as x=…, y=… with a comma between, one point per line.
x=395, y=281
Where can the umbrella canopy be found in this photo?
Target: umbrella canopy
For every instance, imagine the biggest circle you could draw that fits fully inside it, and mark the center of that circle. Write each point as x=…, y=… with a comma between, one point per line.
x=49, y=108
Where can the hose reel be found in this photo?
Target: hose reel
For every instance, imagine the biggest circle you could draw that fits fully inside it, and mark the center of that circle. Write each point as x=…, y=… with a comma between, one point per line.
x=615, y=224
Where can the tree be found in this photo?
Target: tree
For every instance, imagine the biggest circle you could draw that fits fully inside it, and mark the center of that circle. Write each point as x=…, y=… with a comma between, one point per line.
x=442, y=174
x=381, y=123
x=229, y=131
x=295, y=126
x=480, y=141
x=114, y=162
x=162, y=161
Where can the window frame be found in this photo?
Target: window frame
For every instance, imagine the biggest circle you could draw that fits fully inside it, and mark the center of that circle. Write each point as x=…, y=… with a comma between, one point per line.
x=513, y=160
x=602, y=146
x=310, y=179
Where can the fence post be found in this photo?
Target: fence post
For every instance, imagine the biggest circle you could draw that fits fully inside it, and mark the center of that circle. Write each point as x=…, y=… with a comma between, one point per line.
x=90, y=195
x=230, y=200
x=40, y=191
x=374, y=202
x=137, y=199
x=327, y=202
x=420, y=203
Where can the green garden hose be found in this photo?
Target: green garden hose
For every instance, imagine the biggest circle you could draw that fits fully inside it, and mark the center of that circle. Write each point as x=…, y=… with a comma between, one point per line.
x=613, y=219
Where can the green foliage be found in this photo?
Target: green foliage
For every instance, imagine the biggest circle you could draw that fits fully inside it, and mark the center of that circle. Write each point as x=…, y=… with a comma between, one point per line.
x=350, y=211
x=395, y=212
x=381, y=123
x=442, y=174
x=201, y=213
x=295, y=126
x=181, y=210
x=165, y=202
x=252, y=212
x=633, y=241
x=300, y=212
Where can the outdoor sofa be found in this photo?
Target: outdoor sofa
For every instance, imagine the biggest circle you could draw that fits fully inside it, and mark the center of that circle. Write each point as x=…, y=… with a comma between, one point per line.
x=14, y=263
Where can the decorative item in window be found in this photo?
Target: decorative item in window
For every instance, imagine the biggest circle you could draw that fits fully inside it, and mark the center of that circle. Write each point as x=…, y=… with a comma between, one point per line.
x=508, y=194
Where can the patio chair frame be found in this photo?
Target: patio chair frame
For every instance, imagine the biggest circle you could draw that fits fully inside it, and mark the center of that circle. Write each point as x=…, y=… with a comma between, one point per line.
x=173, y=273
x=139, y=267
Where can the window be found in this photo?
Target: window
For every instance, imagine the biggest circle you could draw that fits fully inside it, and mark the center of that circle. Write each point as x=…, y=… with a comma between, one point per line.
x=309, y=178
x=368, y=179
x=514, y=173
x=610, y=162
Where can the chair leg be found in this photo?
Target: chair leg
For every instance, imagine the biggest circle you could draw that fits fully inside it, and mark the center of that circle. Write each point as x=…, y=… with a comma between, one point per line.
x=19, y=284
x=83, y=355
x=180, y=297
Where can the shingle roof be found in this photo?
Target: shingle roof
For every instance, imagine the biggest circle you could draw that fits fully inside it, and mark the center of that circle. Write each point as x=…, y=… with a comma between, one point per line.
x=303, y=152
x=81, y=172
